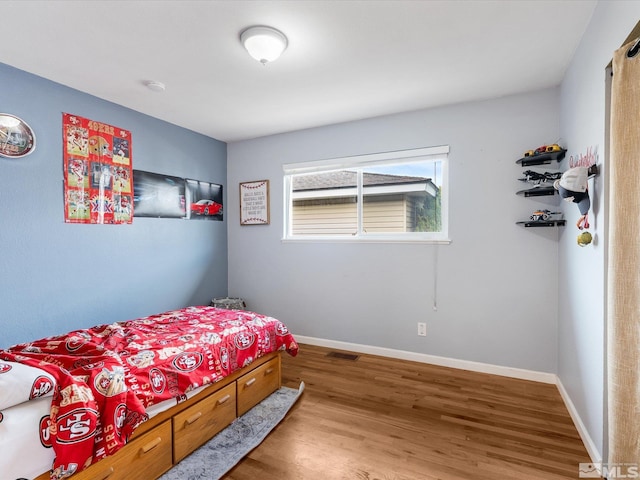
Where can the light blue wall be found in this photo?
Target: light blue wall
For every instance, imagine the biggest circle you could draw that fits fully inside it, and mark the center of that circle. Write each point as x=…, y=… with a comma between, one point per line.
x=55, y=277
x=496, y=281
x=583, y=271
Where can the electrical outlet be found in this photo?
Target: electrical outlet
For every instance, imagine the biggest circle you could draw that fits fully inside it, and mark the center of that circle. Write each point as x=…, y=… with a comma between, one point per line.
x=422, y=329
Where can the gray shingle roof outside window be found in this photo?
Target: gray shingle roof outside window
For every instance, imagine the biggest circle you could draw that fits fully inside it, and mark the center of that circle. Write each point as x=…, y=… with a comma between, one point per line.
x=347, y=179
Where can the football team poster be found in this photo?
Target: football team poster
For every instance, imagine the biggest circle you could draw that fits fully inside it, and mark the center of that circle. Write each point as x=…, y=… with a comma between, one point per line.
x=98, y=186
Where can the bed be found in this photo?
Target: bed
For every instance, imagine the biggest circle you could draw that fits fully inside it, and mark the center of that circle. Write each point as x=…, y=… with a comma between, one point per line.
x=131, y=399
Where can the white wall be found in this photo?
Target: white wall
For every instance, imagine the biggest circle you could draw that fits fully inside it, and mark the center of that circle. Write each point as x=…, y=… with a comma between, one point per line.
x=582, y=271
x=496, y=282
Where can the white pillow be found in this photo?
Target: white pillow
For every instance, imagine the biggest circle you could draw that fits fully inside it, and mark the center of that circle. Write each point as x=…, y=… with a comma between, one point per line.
x=20, y=383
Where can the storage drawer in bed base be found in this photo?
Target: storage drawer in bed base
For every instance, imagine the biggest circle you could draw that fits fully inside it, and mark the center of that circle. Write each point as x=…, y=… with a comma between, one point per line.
x=148, y=456
x=195, y=425
x=170, y=436
x=257, y=385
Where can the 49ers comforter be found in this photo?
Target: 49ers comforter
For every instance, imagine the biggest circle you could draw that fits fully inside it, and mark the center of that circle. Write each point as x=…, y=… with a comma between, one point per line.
x=103, y=381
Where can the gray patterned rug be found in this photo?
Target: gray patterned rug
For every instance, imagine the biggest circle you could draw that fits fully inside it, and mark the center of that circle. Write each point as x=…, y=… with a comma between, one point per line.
x=225, y=450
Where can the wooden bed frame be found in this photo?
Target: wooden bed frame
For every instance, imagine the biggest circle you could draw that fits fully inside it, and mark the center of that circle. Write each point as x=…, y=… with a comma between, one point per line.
x=161, y=442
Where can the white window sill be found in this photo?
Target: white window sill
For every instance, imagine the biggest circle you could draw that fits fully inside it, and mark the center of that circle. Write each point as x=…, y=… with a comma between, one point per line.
x=365, y=239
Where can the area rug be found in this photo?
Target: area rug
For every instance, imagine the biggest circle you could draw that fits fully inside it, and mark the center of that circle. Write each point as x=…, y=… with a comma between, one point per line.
x=225, y=450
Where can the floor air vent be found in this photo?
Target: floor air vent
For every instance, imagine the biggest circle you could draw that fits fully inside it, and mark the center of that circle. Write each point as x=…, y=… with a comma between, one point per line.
x=343, y=356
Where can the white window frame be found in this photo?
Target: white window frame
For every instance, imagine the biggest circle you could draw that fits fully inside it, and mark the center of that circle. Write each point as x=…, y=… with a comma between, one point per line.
x=437, y=153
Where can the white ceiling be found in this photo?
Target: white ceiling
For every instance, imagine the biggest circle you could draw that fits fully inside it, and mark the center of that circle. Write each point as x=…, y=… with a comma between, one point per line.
x=346, y=60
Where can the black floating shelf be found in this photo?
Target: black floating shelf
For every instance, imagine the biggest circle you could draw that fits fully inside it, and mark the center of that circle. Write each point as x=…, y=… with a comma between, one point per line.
x=542, y=223
x=537, y=192
x=541, y=159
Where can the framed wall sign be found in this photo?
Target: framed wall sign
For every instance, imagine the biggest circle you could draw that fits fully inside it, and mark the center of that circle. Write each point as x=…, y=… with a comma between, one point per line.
x=254, y=203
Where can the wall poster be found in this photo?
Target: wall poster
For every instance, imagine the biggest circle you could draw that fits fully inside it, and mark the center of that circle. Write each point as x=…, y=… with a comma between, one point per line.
x=159, y=196
x=205, y=200
x=98, y=181
x=166, y=196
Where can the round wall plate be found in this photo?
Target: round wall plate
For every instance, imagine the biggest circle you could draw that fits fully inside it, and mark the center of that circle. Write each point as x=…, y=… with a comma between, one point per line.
x=16, y=137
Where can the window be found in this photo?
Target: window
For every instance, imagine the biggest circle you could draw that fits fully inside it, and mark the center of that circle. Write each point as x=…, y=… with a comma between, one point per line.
x=393, y=196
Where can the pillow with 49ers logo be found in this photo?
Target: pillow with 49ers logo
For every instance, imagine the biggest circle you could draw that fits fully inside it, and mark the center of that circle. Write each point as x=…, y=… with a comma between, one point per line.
x=20, y=383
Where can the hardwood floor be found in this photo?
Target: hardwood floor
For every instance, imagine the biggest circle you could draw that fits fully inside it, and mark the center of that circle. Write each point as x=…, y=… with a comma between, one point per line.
x=377, y=418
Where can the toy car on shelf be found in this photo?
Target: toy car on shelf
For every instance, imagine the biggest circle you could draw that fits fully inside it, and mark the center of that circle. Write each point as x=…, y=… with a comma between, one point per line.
x=553, y=148
x=537, y=178
x=545, y=216
x=543, y=149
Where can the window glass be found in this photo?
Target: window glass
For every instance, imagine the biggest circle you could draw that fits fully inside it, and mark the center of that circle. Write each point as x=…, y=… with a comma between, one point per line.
x=396, y=196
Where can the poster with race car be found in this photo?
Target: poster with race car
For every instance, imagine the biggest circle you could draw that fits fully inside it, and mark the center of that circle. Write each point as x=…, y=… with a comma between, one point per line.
x=97, y=162
x=205, y=200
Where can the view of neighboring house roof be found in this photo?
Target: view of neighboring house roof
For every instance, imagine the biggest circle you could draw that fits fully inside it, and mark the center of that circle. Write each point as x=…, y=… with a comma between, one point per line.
x=347, y=179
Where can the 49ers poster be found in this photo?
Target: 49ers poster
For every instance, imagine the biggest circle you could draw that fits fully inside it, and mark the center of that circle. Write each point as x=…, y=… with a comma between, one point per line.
x=98, y=186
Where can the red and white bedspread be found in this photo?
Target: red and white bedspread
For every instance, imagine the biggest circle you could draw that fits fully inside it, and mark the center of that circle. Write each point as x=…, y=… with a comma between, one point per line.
x=102, y=382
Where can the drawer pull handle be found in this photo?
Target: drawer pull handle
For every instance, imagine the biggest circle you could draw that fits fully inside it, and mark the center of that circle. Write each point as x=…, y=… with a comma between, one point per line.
x=269, y=371
x=106, y=474
x=224, y=399
x=250, y=382
x=151, y=445
x=193, y=418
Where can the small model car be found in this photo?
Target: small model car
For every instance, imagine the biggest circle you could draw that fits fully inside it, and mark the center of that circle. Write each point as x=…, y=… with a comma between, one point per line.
x=553, y=148
x=206, y=207
x=544, y=215
x=540, y=150
x=537, y=151
x=540, y=215
x=537, y=178
x=543, y=149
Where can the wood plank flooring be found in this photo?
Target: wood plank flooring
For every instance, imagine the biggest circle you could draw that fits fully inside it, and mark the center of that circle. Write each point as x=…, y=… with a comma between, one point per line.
x=377, y=418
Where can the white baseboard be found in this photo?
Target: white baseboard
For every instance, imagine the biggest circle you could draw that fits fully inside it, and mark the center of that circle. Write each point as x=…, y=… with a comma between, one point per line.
x=433, y=359
x=522, y=374
x=592, y=449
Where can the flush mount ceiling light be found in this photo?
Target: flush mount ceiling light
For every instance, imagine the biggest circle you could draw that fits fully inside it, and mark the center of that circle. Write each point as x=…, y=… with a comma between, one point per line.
x=265, y=44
